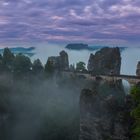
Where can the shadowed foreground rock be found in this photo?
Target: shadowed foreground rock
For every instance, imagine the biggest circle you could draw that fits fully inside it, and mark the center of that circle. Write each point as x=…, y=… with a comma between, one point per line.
x=104, y=113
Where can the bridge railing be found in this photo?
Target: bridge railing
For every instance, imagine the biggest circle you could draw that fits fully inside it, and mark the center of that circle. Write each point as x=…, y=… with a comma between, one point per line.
x=108, y=75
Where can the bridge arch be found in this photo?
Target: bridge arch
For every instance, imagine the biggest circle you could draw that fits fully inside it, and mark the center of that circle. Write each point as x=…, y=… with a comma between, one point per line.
x=132, y=80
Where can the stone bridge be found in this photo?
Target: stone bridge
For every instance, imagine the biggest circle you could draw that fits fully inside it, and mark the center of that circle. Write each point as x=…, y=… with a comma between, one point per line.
x=132, y=79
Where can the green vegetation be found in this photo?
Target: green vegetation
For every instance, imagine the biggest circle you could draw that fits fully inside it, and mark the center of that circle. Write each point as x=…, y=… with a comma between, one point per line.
x=31, y=100
x=21, y=65
x=80, y=66
x=49, y=68
x=135, y=92
x=1, y=63
x=135, y=113
x=8, y=59
x=37, y=66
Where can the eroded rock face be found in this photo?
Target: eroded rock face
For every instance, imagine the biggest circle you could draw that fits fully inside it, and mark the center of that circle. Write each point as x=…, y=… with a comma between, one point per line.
x=91, y=62
x=138, y=69
x=105, y=61
x=64, y=61
x=60, y=62
x=104, y=113
x=54, y=61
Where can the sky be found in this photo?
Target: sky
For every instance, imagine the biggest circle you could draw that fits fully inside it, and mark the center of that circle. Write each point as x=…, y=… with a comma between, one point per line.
x=114, y=22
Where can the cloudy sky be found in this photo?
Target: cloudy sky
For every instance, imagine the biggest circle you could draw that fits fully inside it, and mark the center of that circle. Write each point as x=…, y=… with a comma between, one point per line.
x=63, y=21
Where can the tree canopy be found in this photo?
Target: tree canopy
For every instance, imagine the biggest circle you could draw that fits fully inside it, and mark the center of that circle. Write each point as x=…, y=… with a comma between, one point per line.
x=80, y=66
x=37, y=66
x=49, y=68
x=135, y=113
x=22, y=64
x=8, y=59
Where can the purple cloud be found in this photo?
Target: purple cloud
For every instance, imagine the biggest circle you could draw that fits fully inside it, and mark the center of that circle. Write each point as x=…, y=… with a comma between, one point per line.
x=64, y=21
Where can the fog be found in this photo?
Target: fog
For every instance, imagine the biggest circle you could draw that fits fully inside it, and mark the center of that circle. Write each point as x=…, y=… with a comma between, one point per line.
x=130, y=56
x=40, y=109
x=48, y=109
x=43, y=51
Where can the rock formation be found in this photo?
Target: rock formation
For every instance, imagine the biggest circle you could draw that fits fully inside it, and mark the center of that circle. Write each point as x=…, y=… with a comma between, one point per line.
x=60, y=62
x=138, y=69
x=91, y=62
x=54, y=61
x=105, y=61
x=63, y=60
x=104, y=113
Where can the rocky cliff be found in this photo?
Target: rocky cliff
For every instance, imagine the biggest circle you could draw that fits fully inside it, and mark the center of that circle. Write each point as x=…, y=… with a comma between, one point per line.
x=138, y=69
x=63, y=60
x=105, y=61
x=60, y=62
x=104, y=112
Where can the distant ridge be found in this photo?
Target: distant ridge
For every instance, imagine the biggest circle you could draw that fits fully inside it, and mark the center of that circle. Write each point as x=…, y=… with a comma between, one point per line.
x=78, y=46
x=25, y=51
x=81, y=46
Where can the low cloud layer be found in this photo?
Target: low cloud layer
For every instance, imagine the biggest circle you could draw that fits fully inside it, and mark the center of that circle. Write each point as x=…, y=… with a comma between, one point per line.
x=61, y=21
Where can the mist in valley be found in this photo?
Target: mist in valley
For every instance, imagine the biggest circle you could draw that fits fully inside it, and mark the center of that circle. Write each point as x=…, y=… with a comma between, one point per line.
x=40, y=109
x=37, y=107
x=130, y=56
